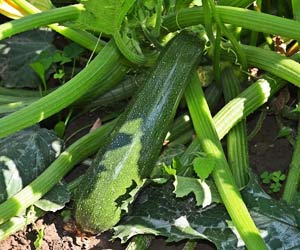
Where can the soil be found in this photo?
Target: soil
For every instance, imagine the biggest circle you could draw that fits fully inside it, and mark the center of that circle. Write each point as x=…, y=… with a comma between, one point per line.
x=265, y=151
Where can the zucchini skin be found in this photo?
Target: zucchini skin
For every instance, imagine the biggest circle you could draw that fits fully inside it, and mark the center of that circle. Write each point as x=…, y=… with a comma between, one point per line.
x=130, y=153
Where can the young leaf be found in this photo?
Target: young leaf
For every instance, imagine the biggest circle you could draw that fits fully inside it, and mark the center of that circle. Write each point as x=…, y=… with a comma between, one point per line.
x=275, y=187
x=40, y=70
x=276, y=175
x=266, y=177
x=205, y=192
x=169, y=169
x=104, y=15
x=59, y=74
x=39, y=240
x=203, y=166
x=282, y=177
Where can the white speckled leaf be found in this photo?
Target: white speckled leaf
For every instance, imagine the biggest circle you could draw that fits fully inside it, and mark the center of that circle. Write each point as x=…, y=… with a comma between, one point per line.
x=16, y=54
x=24, y=156
x=55, y=199
x=158, y=212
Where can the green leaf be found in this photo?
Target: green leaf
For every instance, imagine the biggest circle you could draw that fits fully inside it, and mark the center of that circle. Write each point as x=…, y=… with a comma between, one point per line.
x=275, y=176
x=40, y=70
x=18, y=52
x=176, y=164
x=204, y=166
x=169, y=153
x=157, y=211
x=39, y=239
x=104, y=15
x=59, y=74
x=72, y=50
x=150, y=4
x=282, y=177
x=266, y=177
x=175, y=167
x=107, y=17
x=275, y=187
x=165, y=161
x=169, y=169
x=23, y=156
x=205, y=192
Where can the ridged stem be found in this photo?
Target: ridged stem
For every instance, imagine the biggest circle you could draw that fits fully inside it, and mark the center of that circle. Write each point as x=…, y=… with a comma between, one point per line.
x=237, y=143
x=209, y=141
x=65, y=95
x=244, y=18
x=40, y=19
x=293, y=178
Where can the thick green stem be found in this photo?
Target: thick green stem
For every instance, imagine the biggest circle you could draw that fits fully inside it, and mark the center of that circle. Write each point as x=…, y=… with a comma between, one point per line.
x=235, y=44
x=208, y=138
x=237, y=143
x=18, y=223
x=40, y=19
x=19, y=92
x=65, y=95
x=12, y=107
x=81, y=37
x=293, y=178
x=244, y=18
x=296, y=8
x=274, y=63
x=76, y=153
x=4, y=99
x=124, y=90
x=244, y=104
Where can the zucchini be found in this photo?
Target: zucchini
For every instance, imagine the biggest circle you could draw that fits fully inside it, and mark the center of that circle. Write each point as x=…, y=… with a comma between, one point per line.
x=131, y=151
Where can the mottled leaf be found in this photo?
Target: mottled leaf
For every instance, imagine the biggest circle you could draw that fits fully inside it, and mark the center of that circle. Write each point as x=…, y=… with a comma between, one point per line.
x=158, y=212
x=24, y=156
x=55, y=199
x=18, y=52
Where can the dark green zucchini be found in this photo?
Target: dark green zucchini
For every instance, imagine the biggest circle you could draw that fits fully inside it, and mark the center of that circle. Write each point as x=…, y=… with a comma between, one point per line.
x=134, y=146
